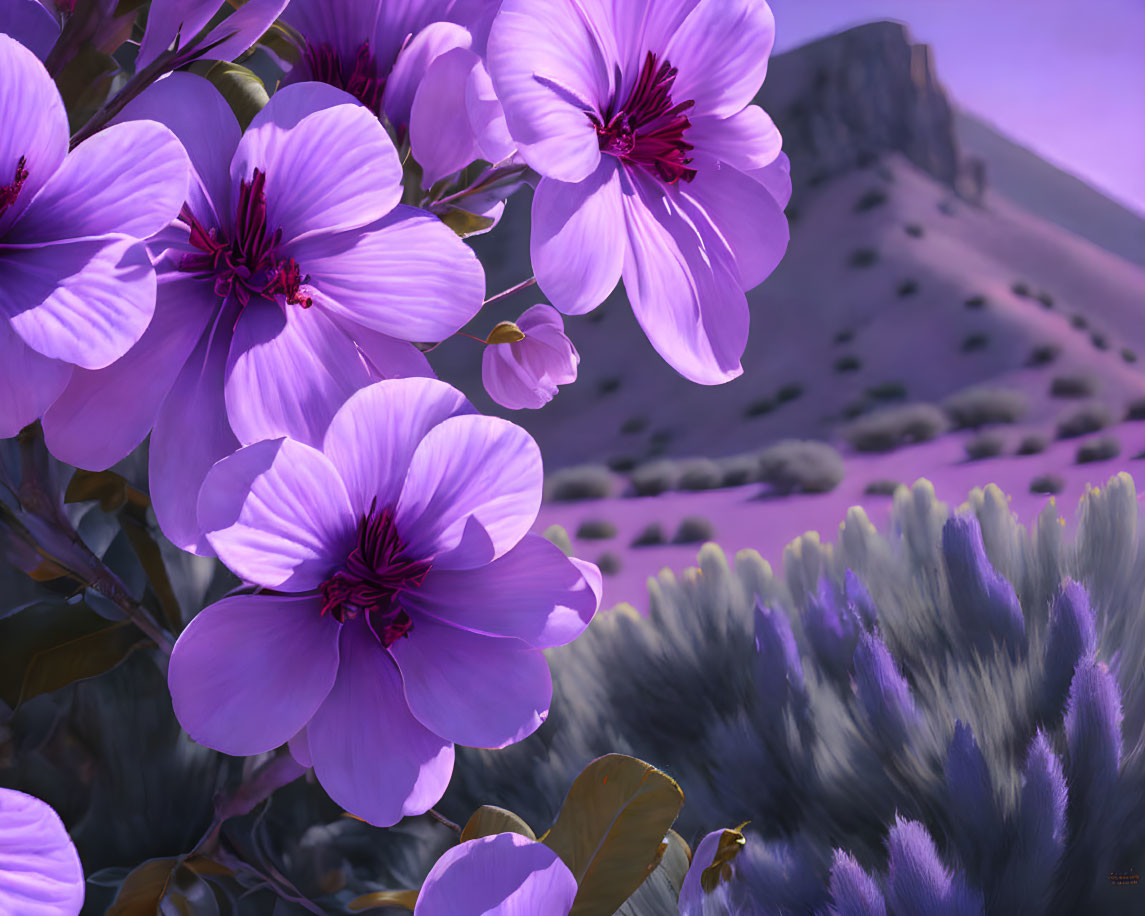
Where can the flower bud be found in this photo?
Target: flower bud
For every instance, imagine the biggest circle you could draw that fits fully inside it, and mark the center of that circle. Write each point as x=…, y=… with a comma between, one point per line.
x=525, y=361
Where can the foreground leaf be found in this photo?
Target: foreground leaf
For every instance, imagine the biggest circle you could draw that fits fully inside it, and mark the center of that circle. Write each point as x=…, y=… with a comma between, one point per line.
x=611, y=828
x=660, y=892
x=404, y=899
x=240, y=86
x=143, y=890
x=489, y=820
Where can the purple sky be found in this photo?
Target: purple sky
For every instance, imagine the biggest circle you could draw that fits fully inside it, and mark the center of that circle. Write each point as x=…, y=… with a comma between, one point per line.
x=1063, y=77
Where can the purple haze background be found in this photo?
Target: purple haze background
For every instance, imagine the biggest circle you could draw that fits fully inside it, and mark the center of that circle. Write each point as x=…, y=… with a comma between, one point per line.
x=1057, y=76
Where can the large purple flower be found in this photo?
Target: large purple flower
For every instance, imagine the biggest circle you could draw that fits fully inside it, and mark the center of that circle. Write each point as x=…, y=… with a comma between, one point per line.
x=654, y=165
x=291, y=281
x=501, y=875
x=40, y=872
x=76, y=285
x=407, y=603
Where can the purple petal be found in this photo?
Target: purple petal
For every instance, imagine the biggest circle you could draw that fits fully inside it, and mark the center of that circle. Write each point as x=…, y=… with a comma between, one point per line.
x=1041, y=826
x=472, y=491
x=918, y=882
x=190, y=435
x=408, y=276
x=129, y=178
x=859, y=601
x=745, y=215
x=194, y=110
x=40, y=871
x=779, y=670
x=1093, y=734
x=692, y=894
x=277, y=515
x=30, y=24
x=104, y=414
x=375, y=433
x=35, y=124
x=487, y=116
x=883, y=692
x=342, y=25
x=684, y=288
x=721, y=54
x=509, y=383
x=501, y=875
x=1069, y=641
x=748, y=140
x=370, y=754
x=578, y=241
x=85, y=301
x=855, y=893
x=299, y=747
x=441, y=100
x=242, y=28
x=776, y=178
x=289, y=371
x=168, y=19
x=29, y=382
x=412, y=68
x=975, y=820
x=329, y=164
x=534, y=593
x=388, y=357
x=549, y=70
x=249, y=671
x=480, y=691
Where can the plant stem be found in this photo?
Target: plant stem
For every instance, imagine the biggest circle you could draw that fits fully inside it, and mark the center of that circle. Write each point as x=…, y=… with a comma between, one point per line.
x=442, y=819
x=504, y=294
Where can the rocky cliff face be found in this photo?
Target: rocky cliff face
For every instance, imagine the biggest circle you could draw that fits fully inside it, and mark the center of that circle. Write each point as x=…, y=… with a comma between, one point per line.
x=841, y=100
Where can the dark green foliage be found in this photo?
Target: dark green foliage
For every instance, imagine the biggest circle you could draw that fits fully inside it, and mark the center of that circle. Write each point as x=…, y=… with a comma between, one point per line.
x=972, y=343
x=739, y=470
x=595, y=529
x=588, y=481
x=848, y=363
x=1043, y=355
x=888, y=428
x=875, y=197
x=634, y=425
x=863, y=257
x=1048, y=484
x=1074, y=385
x=983, y=405
x=700, y=474
x=985, y=445
x=651, y=536
x=801, y=466
x=655, y=478
x=1083, y=420
x=1033, y=444
x=694, y=529
x=1105, y=448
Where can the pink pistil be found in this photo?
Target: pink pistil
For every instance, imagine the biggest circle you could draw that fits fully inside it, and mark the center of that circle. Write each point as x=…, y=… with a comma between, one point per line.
x=9, y=192
x=357, y=75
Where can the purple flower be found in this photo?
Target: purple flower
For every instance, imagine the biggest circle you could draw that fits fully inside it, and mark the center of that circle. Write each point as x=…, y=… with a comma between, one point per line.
x=778, y=668
x=883, y=692
x=918, y=882
x=1070, y=640
x=859, y=600
x=853, y=891
x=409, y=602
x=76, y=285
x=290, y=281
x=30, y=23
x=501, y=875
x=654, y=165
x=40, y=872
x=976, y=824
x=832, y=629
x=526, y=372
x=178, y=21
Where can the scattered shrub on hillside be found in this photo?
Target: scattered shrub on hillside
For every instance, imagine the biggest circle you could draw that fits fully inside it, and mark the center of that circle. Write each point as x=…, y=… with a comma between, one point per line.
x=654, y=478
x=1105, y=448
x=975, y=302
x=875, y=197
x=608, y=385
x=651, y=536
x=854, y=409
x=588, y=481
x=1083, y=420
x=889, y=428
x=700, y=474
x=1033, y=444
x=609, y=563
x=1074, y=385
x=845, y=336
x=863, y=257
x=972, y=343
x=622, y=464
x=659, y=441
x=557, y=535
x=848, y=363
x=1021, y=289
x=882, y=487
x=796, y=465
x=595, y=529
x=760, y=407
x=1130, y=356
x=1099, y=340
x=907, y=288
x=914, y=230
x=633, y=426
x=983, y=405
x=1135, y=409
x=792, y=391
x=1046, y=300
x=1043, y=355
x=1047, y=484
x=989, y=444
x=887, y=391
x=739, y=470
x=1079, y=321
x=694, y=529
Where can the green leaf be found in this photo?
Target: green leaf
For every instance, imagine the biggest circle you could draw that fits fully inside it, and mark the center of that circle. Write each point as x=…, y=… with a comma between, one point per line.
x=46, y=647
x=143, y=890
x=489, y=820
x=660, y=892
x=404, y=899
x=85, y=82
x=611, y=828
x=463, y=222
x=239, y=85
x=106, y=486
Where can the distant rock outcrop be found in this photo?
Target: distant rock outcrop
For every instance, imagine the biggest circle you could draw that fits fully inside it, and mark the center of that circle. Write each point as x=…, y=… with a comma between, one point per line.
x=842, y=100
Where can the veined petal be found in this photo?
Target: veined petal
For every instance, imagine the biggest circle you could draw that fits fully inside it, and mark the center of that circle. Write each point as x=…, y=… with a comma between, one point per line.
x=747, y=140
x=329, y=164
x=168, y=20
x=370, y=754
x=343, y=26
x=40, y=871
x=249, y=671
x=440, y=99
x=387, y=356
x=278, y=515
x=487, y=116
x=242, y=28
x=29, y=382
x=84, y=301
x=413, y=64
x=578, y=240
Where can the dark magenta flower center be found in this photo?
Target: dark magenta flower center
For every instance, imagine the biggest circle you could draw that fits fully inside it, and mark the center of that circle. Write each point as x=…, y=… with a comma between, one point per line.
x=358, y=75
x=66, y=6
x=372, y=579
x=9, y=192
x=646, y=129
x=248, y=264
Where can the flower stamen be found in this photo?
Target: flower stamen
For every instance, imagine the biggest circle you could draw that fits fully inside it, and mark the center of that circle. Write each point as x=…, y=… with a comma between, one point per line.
x=9, y=192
